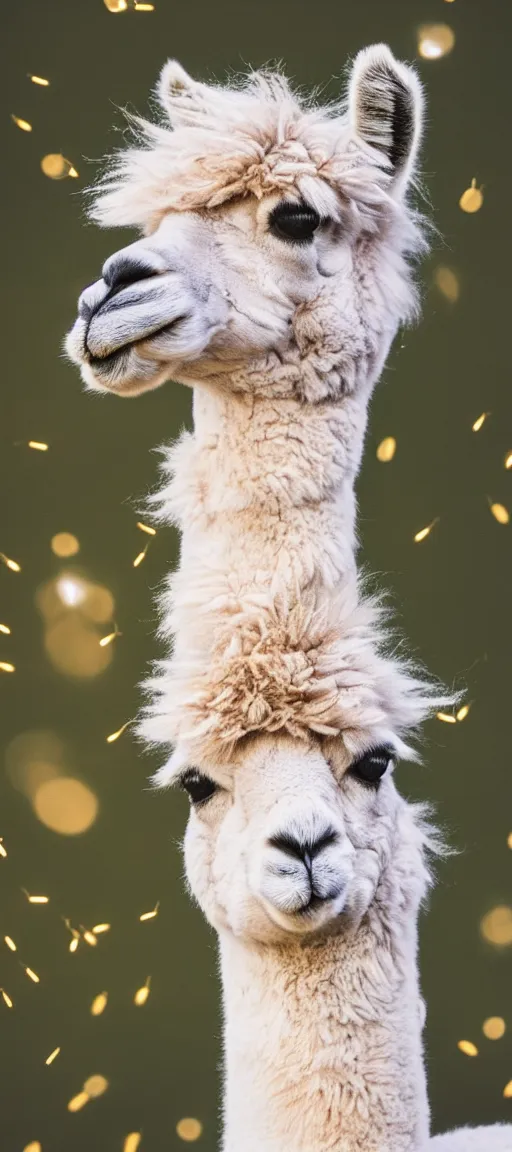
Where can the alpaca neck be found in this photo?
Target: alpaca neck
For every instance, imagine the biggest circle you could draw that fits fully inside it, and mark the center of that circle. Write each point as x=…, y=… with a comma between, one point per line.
x=280, y=475
x=323, y=1045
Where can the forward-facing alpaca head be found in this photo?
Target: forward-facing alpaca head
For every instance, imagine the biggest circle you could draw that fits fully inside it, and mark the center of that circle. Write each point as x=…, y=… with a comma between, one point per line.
x=293, y=846
x=273, y=228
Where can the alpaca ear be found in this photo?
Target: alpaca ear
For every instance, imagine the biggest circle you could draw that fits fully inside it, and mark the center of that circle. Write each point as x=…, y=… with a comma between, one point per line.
x=386, y=109
x=180, y=96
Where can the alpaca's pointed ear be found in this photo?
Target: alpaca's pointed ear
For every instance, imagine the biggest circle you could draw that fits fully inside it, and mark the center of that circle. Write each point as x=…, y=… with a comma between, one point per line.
x=386, y=109
x=180, y=96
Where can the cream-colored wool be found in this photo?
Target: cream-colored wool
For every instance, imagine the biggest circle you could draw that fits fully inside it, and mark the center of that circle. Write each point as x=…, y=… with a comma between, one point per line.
x=280, y=674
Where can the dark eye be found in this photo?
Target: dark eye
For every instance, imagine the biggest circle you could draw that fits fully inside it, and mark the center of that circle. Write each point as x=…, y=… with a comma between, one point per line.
x=294, y=222
x=372, y=766
x=200, y=788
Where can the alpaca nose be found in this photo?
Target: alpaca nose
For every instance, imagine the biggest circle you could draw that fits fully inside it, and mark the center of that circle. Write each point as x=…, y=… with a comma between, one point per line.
x=303, y=848
x=125, y=268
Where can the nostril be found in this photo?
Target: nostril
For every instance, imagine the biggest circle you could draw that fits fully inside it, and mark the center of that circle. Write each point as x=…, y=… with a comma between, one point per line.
x=120, y=272
x=303, y=848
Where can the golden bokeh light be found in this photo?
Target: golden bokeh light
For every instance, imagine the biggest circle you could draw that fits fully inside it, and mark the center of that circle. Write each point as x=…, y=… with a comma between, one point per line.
x=500, y=513
x=138, y=7
x=12, y=565
x=32, y=975
x=64, y=544
x=132, y=1142
x=139, y=557
x=53, y=1056
x=6, y=667
x=146, y=528
x=446, y=280
x=56, y=167
x=5, y=629
x=435, y=40
x=6, y=998
x=386, y=449
x=3, y=850
x=467, y=1047
x=142, y=994
x=446, y=717
x=72, y=647
x=96, y=1086
x=189, y=1129
x=509, y=840
x=38, y=445
x=480, y=421
x=424, y=532
x=150, y=915
x=77, y=1102
x=10, y=943
x=99, y=929
x=508, y=460
x=507, y=1091
x=99, y=1004
x=116, y=5
x=23, y=124
x=65, y=805
x=496, y=926
x=472, y=199
x=35, y=1146
x=463, y=712
x=90, y=938
x=36, y=899
x=115, y=735
x=39, y=80
x=494, y=1028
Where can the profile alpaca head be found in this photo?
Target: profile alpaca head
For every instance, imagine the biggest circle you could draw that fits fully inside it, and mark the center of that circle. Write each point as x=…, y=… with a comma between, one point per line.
x=275, y=232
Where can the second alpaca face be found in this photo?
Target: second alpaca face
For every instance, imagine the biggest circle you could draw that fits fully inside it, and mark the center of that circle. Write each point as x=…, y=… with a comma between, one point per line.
x=297, y=842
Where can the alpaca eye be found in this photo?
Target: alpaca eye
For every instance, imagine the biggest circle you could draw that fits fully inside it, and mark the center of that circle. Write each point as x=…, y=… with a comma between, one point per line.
x=294, y=222
x=371, y=767
x=199, y=787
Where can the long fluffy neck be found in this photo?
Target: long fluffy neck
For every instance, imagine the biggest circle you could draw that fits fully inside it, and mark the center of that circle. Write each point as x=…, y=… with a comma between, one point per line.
x=323, y=1046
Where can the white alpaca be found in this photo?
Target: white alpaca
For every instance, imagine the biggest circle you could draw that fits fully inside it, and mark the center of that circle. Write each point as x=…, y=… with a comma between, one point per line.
x=272, y=277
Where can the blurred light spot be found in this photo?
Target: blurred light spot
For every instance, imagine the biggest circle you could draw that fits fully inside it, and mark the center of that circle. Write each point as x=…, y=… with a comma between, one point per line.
x=132, y=1142
x=99, y=1004
x=95, y=1086
x=32, y=975
x=100, y=928
x=5, y=667
x=10, y=943
x=446, y=717
x=53, y=1056
x=143, y=7
x=150, y=915
x=116, y=5
x=146, y=528
x=106, y=640
x=23, y=124
x=5, y=629
x=71, y=590
x=35, y=1146
x=472, y=199
x=139, y=558
x=72, y=646
x=73, y=944
x=480, y=421
x=447, y=282
x=57, y=167
x=142, y=994
x=189, y=1129
x=78, y=1102
x=6, y=998
x=509, y=839
x=39, y=80
x=435, y=40
x=463, y=712
x=507, y=1091
x=38, y=445
x=65, y=805
x=32, y=758
x=500, y=513
x=3, y=850
x=467, y=1047
x=11, y=564
x=508, y=460
x=424, y=532
x=65, y=544
x=36, y=899
x=496, y=926
x=90, y=938
x=494, y=1028
x=115, y=735
x=386, y=449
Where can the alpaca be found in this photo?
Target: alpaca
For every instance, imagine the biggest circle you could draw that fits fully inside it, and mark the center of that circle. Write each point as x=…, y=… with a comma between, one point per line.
x=272, y=276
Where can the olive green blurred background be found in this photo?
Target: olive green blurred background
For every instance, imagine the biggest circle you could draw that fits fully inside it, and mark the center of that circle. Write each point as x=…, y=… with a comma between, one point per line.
x=451, y=591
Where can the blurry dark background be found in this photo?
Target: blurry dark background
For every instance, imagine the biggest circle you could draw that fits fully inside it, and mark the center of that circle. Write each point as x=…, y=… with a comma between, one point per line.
x=68, y=694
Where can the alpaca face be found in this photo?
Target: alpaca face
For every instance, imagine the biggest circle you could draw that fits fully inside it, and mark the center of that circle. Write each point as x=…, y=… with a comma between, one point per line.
x=294, y=844
x=276, y=236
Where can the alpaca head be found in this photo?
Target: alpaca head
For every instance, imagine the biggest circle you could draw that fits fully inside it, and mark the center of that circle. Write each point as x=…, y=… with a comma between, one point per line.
x=291, y=840
x=275, y=233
